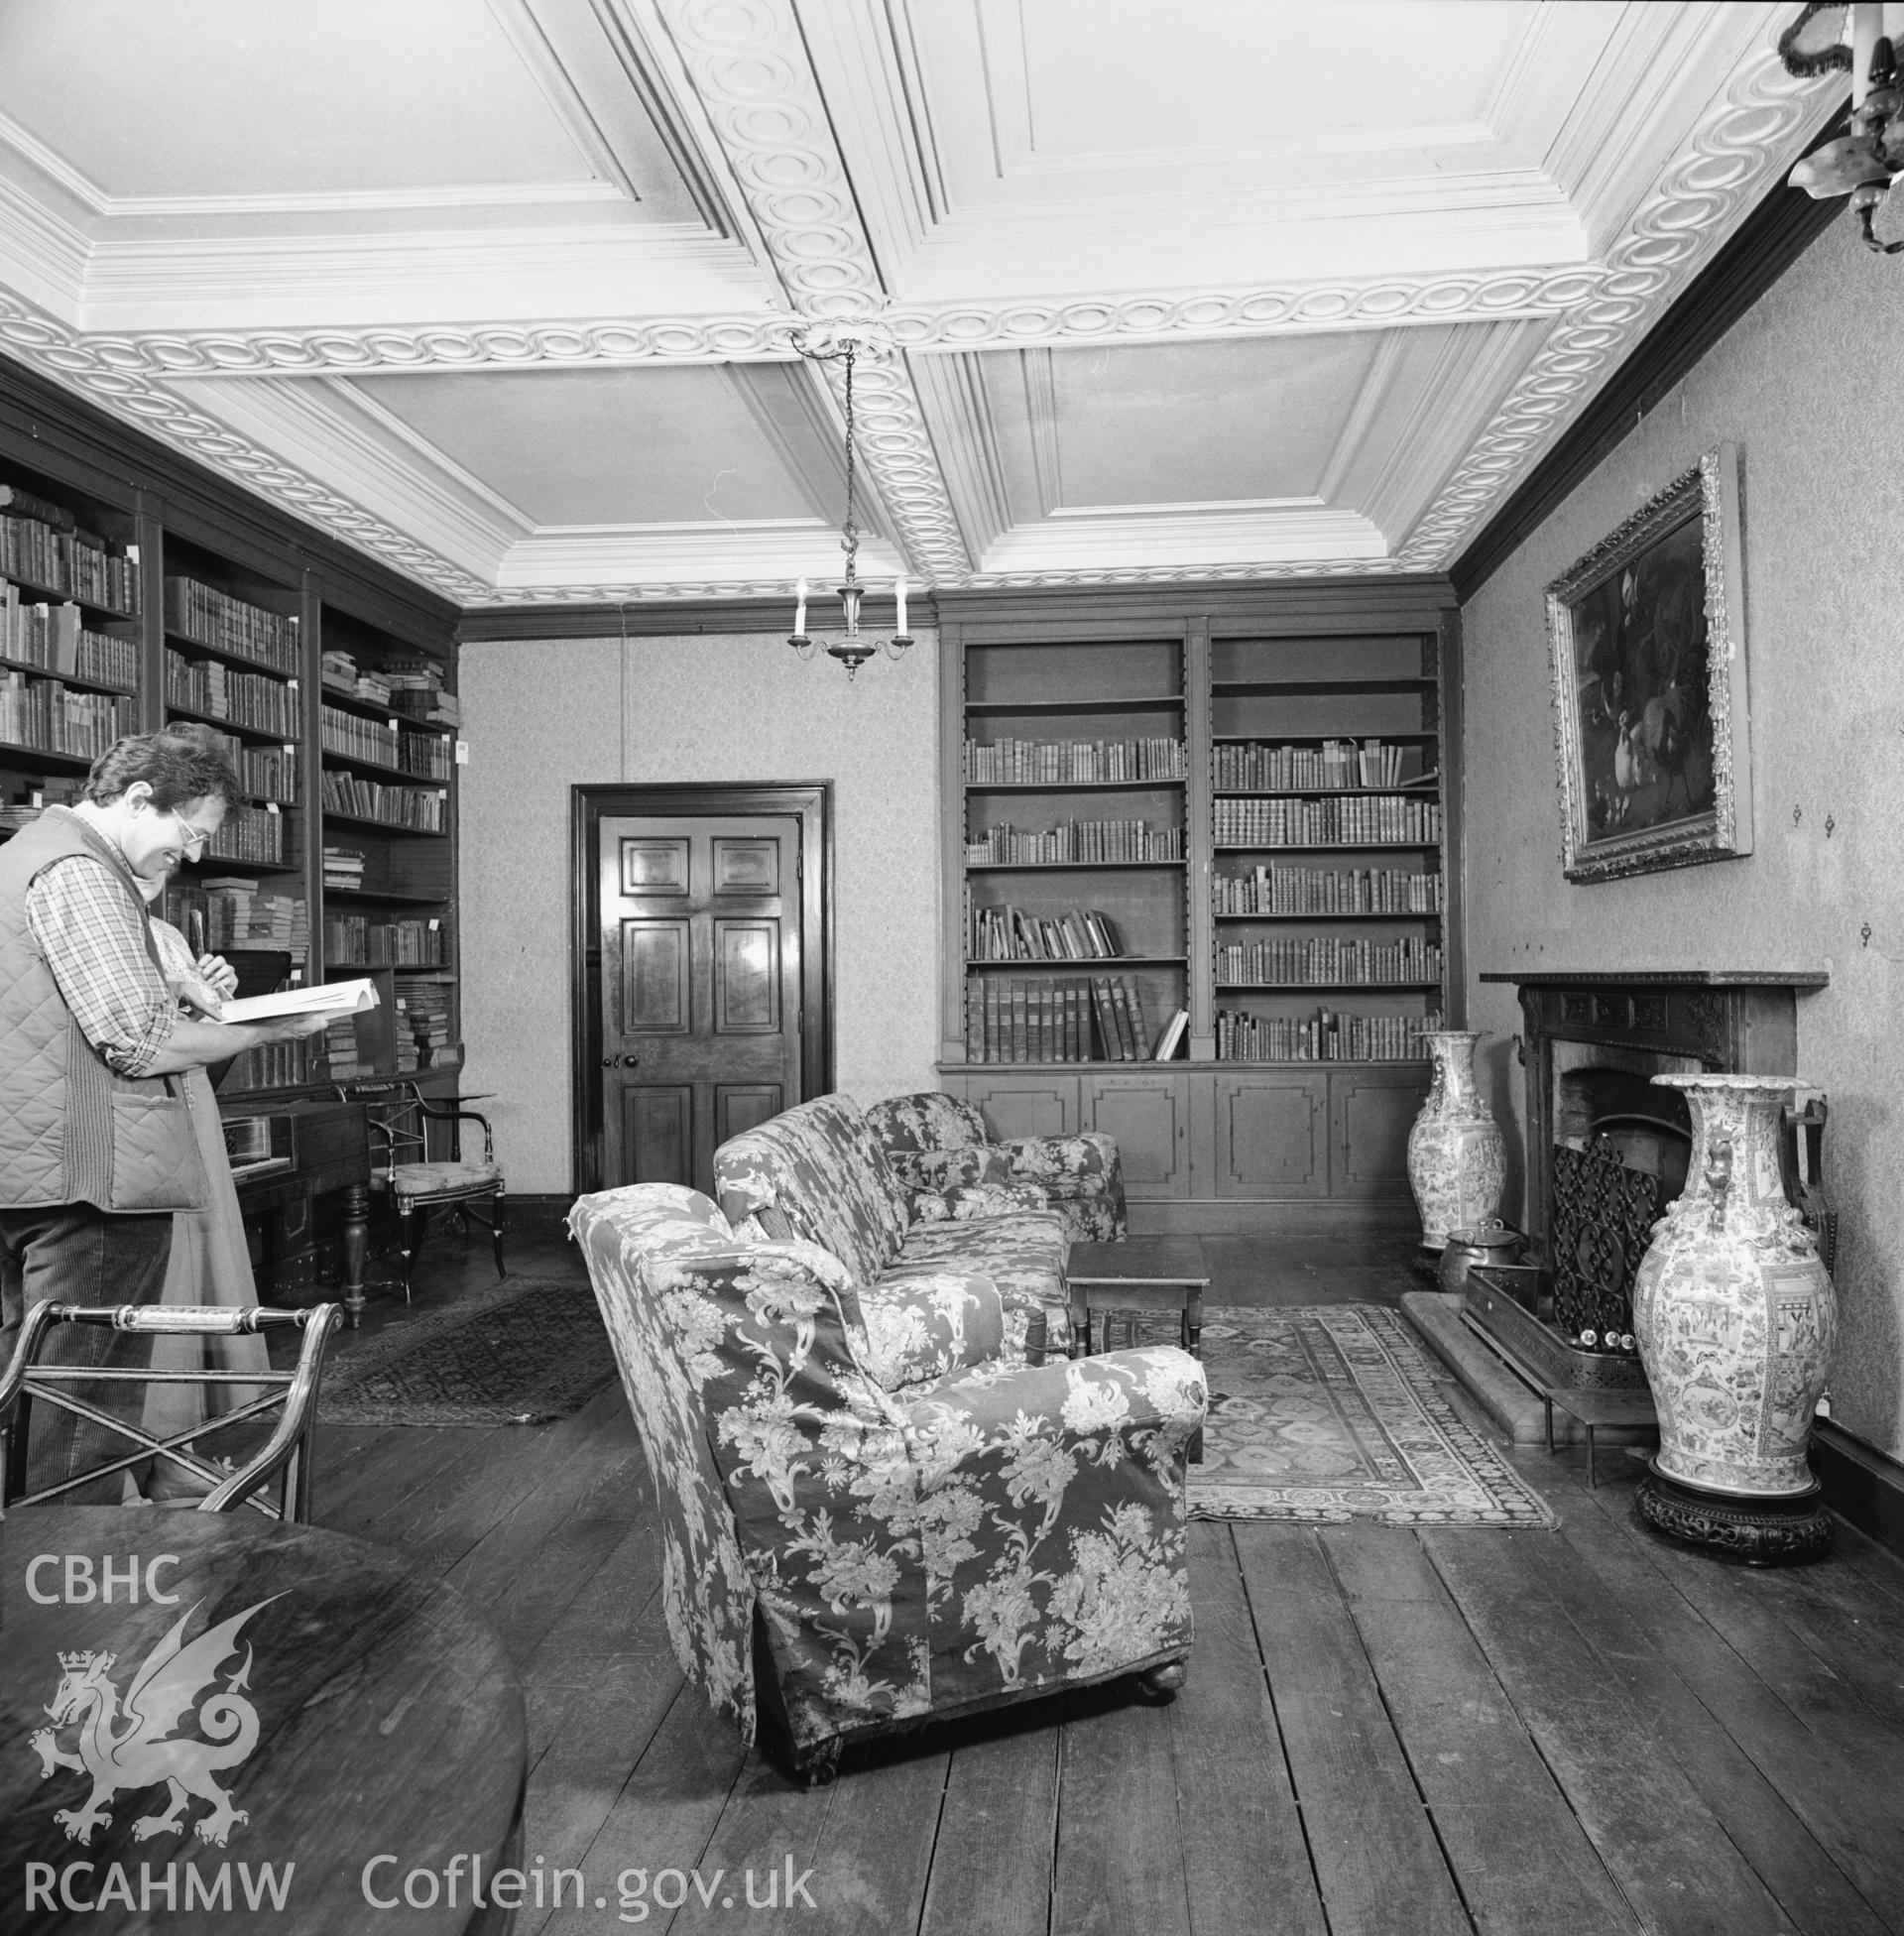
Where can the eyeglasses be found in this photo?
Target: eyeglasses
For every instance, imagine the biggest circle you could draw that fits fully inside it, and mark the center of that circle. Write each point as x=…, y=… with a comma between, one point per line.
x=195, y=841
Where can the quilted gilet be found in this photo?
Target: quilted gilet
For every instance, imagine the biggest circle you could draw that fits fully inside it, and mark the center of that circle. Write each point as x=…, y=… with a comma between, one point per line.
x=57, y=1122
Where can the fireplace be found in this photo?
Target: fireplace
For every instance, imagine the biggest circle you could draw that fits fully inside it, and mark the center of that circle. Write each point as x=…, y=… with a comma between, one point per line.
x=1606, y=1151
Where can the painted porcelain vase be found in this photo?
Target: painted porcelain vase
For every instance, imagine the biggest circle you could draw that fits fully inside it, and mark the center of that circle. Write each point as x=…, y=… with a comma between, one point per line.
x=1733, y=1308
x=1457, y=1155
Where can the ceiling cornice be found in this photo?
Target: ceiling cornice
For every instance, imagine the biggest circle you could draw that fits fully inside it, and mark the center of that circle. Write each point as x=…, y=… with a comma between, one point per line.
x=1742, y=144
x=1783, y=225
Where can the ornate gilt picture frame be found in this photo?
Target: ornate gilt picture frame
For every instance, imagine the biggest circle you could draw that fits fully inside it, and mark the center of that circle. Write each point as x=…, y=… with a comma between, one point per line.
x=1646, y=640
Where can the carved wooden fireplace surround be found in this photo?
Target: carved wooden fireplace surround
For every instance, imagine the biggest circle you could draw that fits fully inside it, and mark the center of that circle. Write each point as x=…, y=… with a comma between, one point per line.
x=1731, y=1021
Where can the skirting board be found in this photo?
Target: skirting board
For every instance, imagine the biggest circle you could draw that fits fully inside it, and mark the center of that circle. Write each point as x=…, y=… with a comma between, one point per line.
x=1864, y=1484
x=1261, y=1217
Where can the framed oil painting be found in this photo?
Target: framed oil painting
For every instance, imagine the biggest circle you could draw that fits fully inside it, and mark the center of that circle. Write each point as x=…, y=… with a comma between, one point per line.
x=1647, y=641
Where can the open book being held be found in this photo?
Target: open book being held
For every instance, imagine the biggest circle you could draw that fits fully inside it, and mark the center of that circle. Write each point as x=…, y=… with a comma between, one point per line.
x=321, y=997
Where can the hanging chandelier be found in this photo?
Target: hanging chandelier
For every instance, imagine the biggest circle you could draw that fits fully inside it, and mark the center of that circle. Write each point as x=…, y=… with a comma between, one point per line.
x=833, y=343
x=1865, y=162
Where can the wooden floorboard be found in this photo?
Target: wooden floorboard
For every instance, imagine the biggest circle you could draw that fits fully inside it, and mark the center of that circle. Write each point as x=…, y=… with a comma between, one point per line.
x=1378, y=1863
x=1607, y=1751
x=1520, y=1859
x=996, y=1831
x=1643, y=1633
x=1244, y=1854
x=1385, y=1731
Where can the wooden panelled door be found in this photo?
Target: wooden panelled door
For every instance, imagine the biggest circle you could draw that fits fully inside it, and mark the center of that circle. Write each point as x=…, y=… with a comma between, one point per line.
x=700, y=987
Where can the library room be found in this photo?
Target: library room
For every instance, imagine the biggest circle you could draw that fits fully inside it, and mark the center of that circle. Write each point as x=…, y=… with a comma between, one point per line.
x=949, y=967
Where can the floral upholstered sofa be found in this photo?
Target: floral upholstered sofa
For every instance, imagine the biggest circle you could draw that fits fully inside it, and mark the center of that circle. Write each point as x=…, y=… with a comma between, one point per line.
x=935, y=1142
x=817, y=1172
x=841, y=1560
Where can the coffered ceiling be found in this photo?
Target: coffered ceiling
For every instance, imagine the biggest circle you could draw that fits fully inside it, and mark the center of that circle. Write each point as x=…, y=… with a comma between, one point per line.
x=511, y=293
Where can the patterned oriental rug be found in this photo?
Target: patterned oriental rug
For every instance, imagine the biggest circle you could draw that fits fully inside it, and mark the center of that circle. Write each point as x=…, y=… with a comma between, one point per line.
x=1332, y=1413
x=529, y=1350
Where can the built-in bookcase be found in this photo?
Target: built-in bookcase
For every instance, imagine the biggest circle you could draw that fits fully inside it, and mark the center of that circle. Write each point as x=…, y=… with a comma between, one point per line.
x=1074, y=849
x=1250, y=788
x=136, y=592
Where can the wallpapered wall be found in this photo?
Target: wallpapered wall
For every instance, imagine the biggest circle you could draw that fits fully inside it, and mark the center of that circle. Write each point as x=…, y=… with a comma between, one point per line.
x=1807, y=385
x=540, y=718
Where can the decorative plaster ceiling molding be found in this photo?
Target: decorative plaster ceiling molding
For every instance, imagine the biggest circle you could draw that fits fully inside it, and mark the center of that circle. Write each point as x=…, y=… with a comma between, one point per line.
x=759, y=337
x=770, y=335
x=1750, y=137
x=36, y=338
x=527, y=36
x=1179, y=537
x=638, y=556
x=335, y=432
x=1184, y=575
x=45, y=254
x=751, y=70
x=469, y=276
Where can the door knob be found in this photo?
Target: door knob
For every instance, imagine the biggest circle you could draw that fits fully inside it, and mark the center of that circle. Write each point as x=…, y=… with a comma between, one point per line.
x=631, y=1061
x=608, y=1061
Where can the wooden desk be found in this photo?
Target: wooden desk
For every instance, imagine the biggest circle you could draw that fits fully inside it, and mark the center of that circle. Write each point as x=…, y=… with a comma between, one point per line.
x=327, y=1142
x=386, y=1716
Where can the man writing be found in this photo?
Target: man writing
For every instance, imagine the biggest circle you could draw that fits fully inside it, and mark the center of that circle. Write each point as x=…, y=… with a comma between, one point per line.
x=96, y=1146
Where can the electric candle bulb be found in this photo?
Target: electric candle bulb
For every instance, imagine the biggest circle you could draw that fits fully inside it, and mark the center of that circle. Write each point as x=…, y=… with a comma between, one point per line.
x=799, y=609
x=898, y=592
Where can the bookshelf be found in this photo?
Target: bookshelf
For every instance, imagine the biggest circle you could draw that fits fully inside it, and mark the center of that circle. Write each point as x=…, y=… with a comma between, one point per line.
x=137, y=590
x=1250, y=788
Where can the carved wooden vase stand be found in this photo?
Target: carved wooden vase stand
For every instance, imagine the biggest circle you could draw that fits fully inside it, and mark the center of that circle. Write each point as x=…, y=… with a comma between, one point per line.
x=1735, y=1320
x=1457, y=1155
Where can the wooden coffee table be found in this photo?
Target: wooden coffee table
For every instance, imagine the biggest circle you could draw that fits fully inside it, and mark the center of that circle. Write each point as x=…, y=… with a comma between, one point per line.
x=1142, y=1273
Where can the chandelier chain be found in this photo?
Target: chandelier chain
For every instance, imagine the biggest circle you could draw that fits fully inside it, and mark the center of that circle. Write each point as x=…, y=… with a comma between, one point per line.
x=850, y=537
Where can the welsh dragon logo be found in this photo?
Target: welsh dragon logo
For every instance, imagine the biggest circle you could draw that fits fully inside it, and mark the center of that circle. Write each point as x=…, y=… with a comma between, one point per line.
x=136, y=1746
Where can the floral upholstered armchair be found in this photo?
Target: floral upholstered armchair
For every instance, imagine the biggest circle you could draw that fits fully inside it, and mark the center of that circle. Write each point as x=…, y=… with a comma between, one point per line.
x=847, y=1559
x=936, y=1143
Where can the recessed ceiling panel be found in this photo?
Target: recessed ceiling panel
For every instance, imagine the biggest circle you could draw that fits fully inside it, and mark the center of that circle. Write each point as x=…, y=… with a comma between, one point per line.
x=1100, y=80
x=568, y=447
x=284, y=97
x=1201, y=423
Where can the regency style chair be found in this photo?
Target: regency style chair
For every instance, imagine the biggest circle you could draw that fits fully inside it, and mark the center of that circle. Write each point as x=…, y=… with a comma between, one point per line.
x=843, y=1556
x=402, y=1169
x=286, y=1455
x=936, y=1143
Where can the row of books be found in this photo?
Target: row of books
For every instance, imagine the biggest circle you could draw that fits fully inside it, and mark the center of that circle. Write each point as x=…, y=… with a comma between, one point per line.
x=1325, y=1036
x=277, y=1065
x=373, y=740
x=1270, y=963
x=1318, y=891
x=1255, y=767
x=254, y=699
x=41, y=543
x=419, y=808
x=1095, y=1019
x=344, y=867
x=206, y=617
x=1367, y=820
x=251, y=834
x=359, y=942
x=1010, y=935
x=422, y=1027
x=52, y=638
x=42, y=714
x=1018, y=763
x=267, y=772
x=239, y=914
x=1088, y=841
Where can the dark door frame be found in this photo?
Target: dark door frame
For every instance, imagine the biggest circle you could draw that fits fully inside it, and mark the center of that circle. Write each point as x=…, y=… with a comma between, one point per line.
x=810, y=801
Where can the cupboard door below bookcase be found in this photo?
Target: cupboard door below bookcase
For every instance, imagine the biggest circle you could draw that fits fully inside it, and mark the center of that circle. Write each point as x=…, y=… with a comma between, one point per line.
x=1271, y=1133
x=1024, y=1105
x=1370, y=1112
x=1150, y=1115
